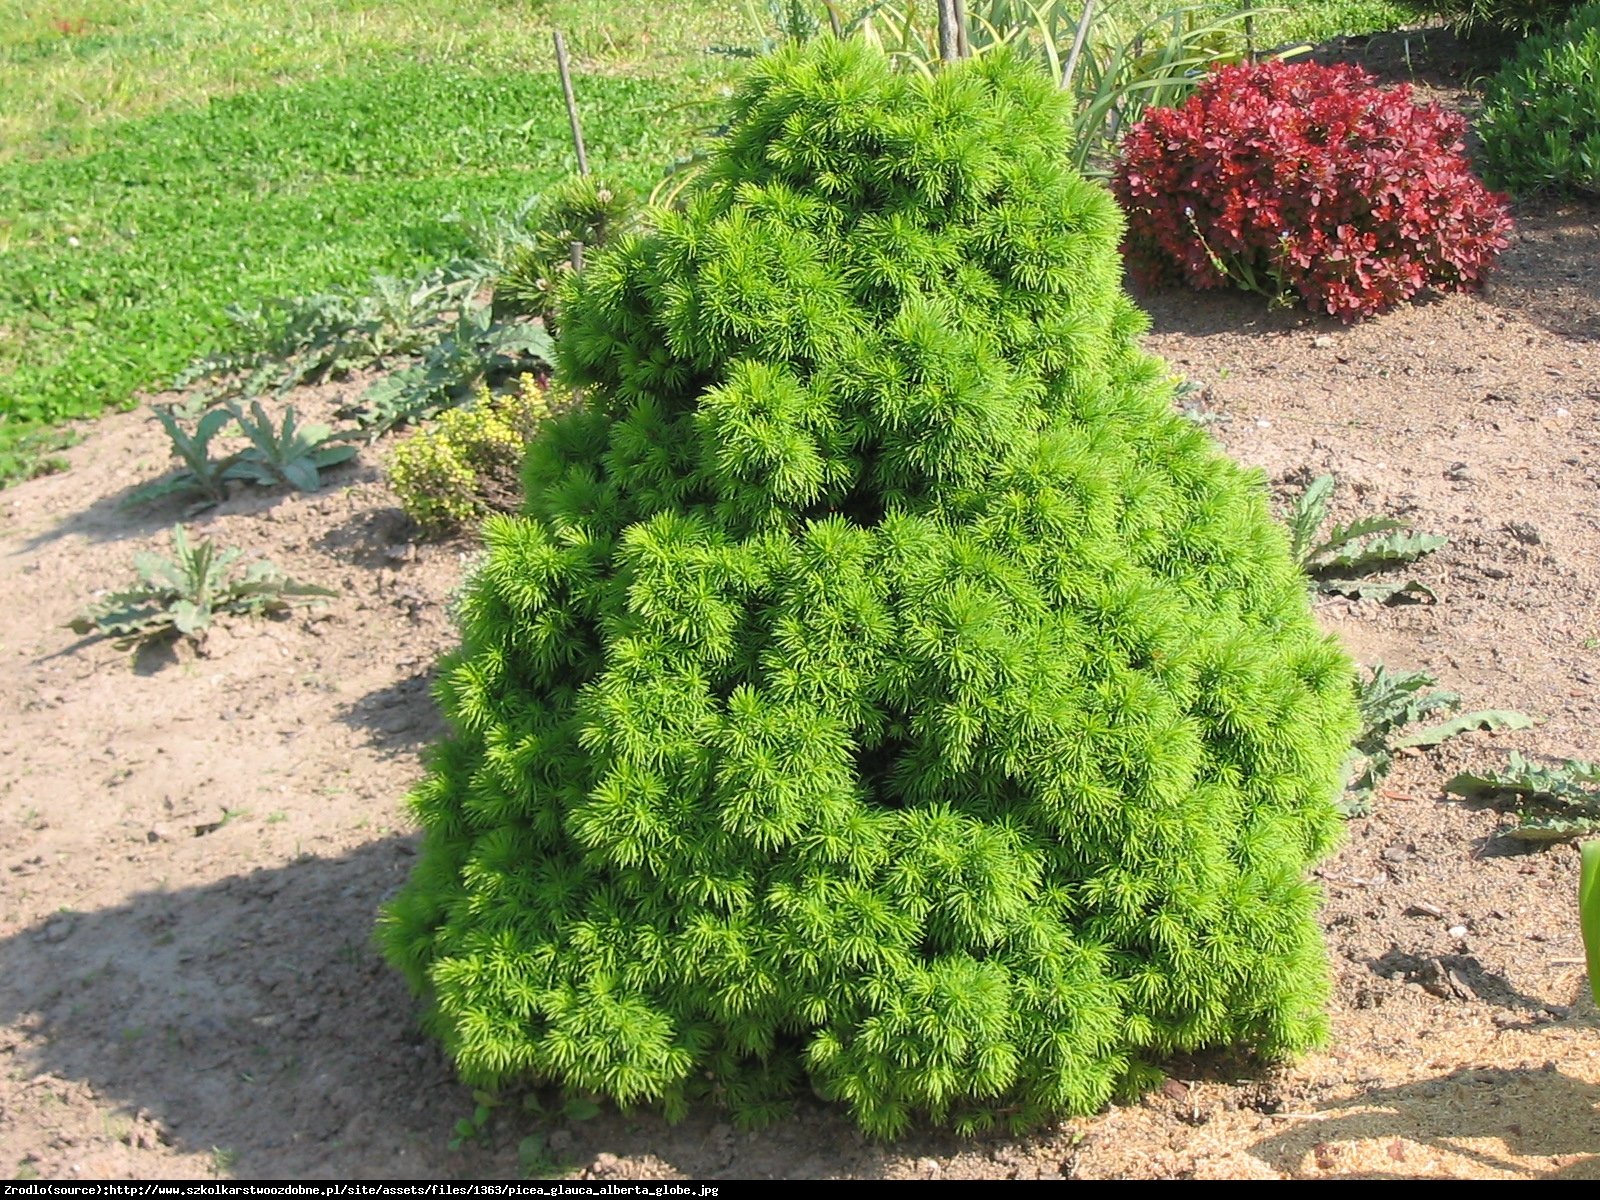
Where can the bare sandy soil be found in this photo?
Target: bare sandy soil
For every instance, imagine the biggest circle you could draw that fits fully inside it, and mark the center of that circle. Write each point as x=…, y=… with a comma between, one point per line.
x=195, y=844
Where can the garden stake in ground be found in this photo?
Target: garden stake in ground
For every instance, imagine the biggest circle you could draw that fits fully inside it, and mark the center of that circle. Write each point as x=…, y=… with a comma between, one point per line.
x=884, y=690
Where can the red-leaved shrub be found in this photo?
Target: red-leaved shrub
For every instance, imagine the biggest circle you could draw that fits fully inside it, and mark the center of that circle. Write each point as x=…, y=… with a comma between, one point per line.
x=1302, y=178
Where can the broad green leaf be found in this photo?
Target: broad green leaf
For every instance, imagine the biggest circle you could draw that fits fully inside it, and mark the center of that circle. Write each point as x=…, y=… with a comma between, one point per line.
x=333, y=455
x=1308, y=514
x=1552, y=829
x=301, y=474
x=1589, y=912
x=1341, y=536
x=1491, y=719
x=1382, y=591
x=189, y=618
x=577, y=1108
x=1384, y=551
x=172, y=485
x=211, y=424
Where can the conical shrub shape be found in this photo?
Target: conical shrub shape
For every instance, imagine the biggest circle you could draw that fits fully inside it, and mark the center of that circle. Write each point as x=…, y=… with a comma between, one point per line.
x=883, y=684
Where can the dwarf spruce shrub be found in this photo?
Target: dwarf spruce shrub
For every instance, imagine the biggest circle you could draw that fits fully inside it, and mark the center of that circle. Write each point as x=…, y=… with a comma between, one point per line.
x=883, y=683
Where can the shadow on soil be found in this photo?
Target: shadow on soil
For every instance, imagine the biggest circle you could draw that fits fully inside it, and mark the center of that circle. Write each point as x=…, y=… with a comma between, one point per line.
x=1537, y=1112
x=400, y=718
x=1550, y=274
x=112, y=519
x=254, y=1016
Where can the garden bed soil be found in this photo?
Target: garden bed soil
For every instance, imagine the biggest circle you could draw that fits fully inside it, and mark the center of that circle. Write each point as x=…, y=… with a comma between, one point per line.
x=196, y=843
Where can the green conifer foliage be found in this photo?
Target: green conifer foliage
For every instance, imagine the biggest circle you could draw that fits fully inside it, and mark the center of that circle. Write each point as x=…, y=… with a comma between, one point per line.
x=883, y=684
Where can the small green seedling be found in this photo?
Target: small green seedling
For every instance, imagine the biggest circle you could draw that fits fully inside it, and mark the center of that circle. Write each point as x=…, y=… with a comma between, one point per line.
x=473, y=1128
x=1558, y=802
x=534, y=1160
x=1390, y=701
x=1589, y=912
x=201, y=475
x=179, y=597
x=293, y=454
x=1337, y=561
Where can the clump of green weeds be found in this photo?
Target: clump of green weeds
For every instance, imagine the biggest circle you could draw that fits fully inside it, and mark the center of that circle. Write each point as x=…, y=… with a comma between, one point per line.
x=1557, y=801
x=1338, y=559
x=283, y=343
x=1390, y=701
x=478, y=350
x=180, y=596
x=289, y=453
x=201, y=476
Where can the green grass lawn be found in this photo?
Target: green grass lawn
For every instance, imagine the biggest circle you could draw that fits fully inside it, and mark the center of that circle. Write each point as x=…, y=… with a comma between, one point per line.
x=161, y=160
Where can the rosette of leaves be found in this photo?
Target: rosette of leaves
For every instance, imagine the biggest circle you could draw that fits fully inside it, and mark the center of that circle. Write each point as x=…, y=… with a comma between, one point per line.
x=884, y=691
x=289, y=453
x=180, y=596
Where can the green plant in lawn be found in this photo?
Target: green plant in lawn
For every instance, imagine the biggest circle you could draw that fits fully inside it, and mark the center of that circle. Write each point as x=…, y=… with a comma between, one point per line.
x=179, y=596
x=201, y=475
x=882, y=683
x=1558, y=801
x=467, y=463
x=1388, y=702
x=582, y=209
x=289, y=453
x=1337, y=558
x=1541, y=113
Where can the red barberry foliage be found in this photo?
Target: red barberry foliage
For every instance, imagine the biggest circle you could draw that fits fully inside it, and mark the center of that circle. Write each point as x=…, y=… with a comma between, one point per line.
x=1311, y=178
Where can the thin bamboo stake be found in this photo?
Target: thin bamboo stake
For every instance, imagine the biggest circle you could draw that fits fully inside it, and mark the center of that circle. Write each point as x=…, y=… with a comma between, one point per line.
x=572, y=103
x=1077, y=44
x=963, y=49
x=949, y=39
